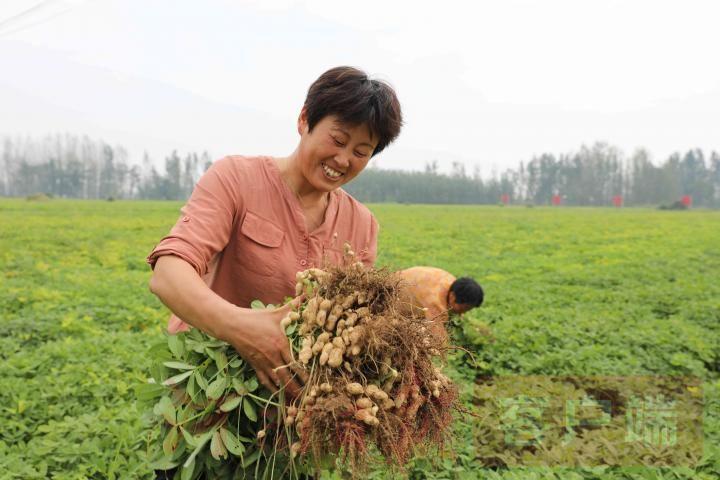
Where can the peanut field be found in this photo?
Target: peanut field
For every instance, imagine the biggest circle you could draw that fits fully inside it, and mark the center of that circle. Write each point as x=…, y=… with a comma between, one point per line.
x=570, y=292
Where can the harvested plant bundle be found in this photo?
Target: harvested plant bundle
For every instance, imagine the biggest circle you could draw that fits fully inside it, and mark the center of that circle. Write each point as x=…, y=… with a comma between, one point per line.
x=372, y=381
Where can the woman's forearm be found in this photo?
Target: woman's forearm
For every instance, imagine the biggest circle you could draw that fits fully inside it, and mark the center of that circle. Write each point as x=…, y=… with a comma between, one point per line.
x=255, y=334
x=180, y=288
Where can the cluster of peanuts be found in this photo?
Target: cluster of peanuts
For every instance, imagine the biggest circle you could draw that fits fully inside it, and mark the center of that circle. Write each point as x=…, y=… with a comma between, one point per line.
x=330, y=327
x=334, y=330
x=368, y=401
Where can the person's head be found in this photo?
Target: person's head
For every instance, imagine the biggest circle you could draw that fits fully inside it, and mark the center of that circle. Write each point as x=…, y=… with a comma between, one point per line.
x=464, y=294
x=346, y=119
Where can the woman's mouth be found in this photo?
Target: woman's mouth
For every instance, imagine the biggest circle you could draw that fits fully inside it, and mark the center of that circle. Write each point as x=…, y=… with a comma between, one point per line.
x=331, y=173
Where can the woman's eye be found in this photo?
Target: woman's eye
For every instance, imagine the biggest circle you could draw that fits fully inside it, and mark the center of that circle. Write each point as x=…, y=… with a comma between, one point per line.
x=360, y=154
x=338, y=142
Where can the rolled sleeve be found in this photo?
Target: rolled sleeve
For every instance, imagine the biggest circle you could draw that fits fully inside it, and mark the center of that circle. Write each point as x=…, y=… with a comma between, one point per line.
x=206, y=220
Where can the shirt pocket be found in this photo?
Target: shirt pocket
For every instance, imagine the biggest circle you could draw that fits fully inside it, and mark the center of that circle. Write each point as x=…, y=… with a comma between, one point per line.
x=259, y=245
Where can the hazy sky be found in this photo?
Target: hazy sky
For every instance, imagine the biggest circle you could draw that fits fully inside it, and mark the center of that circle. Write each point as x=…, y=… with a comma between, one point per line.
x=487, y=83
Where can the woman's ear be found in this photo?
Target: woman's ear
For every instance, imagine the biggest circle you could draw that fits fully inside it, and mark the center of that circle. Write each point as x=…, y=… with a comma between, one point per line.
x=302, y=122
x=451, y=299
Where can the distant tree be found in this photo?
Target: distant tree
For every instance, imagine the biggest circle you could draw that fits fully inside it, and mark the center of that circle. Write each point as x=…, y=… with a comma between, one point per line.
x=431, y=168
x=644, y=178
x=669, y=186
x=106, y=185
x=173, y=177
x=134, y=179
x=189, y=174
x=205, y=161
x=695, y=178
x=458, y=170
x=715, y=177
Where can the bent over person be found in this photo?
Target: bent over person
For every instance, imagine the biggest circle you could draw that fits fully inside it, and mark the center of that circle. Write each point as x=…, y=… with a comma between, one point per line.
x=438, y=294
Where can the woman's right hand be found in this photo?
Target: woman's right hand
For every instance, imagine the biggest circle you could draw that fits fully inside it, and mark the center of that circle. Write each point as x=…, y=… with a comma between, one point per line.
x=258, y=337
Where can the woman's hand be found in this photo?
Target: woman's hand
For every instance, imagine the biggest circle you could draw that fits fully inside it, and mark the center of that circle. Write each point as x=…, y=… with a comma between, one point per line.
x=259, y=339
x=255, y=334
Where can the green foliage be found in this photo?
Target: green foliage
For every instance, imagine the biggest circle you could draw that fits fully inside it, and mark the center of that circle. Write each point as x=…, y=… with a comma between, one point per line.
x=205, y=420
x=568, y=292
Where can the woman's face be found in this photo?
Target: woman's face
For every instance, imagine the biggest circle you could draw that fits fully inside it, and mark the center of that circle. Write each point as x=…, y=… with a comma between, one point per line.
x=333, y=153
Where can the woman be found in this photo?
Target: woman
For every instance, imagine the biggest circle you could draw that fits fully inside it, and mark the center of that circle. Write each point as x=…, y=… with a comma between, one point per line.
x=252, y=222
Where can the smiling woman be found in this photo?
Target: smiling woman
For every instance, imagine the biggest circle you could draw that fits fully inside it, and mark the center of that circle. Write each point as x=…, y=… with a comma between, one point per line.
x=252, y=222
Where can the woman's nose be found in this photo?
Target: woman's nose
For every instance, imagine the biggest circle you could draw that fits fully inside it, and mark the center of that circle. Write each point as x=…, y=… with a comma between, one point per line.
x=342, y=158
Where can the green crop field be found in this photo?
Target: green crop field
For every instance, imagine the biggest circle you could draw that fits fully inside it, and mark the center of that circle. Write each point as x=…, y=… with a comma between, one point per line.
x=569, y=292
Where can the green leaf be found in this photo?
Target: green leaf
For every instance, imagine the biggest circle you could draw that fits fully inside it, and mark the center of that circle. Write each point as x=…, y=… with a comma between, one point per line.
x=148, y=391
x=190, y=388
x=196, y=334
x=179, y=365
x=177, y=346
x=291, y=329
x=167, y=410
x=230, y=403
x=198, y=347
x=231, y=442
x=171, y=441
x=200, y=379
x=177, y=378
x=236, y=362
x=239, y=386
x=217, y=388
x=180, y=451
x=250, y=459
x=189, y=438
x=164, y=463
x=188, y=469
x=210, y=352
x=201, y=442
x=159, y=351
x=252, y=384
x=257, y=304
x=249, y=410
x=221, y=360
x=217, y=448
x=184, y=413
x=157, y=371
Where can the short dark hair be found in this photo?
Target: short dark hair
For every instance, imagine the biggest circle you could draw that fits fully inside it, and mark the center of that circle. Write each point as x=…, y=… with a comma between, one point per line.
x=355, y=99
x=467, y=292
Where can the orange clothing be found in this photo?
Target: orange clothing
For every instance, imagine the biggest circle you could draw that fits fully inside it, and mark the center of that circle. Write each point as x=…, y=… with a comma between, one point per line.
x=428, y=287
x=243, y=230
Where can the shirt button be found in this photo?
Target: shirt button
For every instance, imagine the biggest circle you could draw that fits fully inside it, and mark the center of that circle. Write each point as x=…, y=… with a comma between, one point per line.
x=186, y=219
x=305, y=237
x=303, y=262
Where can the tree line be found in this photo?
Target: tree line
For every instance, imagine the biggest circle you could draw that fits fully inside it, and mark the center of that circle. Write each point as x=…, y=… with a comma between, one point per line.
x=592, y=176
x=71, y=166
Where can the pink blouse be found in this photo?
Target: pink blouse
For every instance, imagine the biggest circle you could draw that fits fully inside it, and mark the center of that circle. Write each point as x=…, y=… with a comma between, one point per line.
x=243, y=230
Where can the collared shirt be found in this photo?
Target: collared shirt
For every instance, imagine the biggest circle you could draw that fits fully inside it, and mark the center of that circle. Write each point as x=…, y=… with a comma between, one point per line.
x=243, y=230
x=428, y=287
